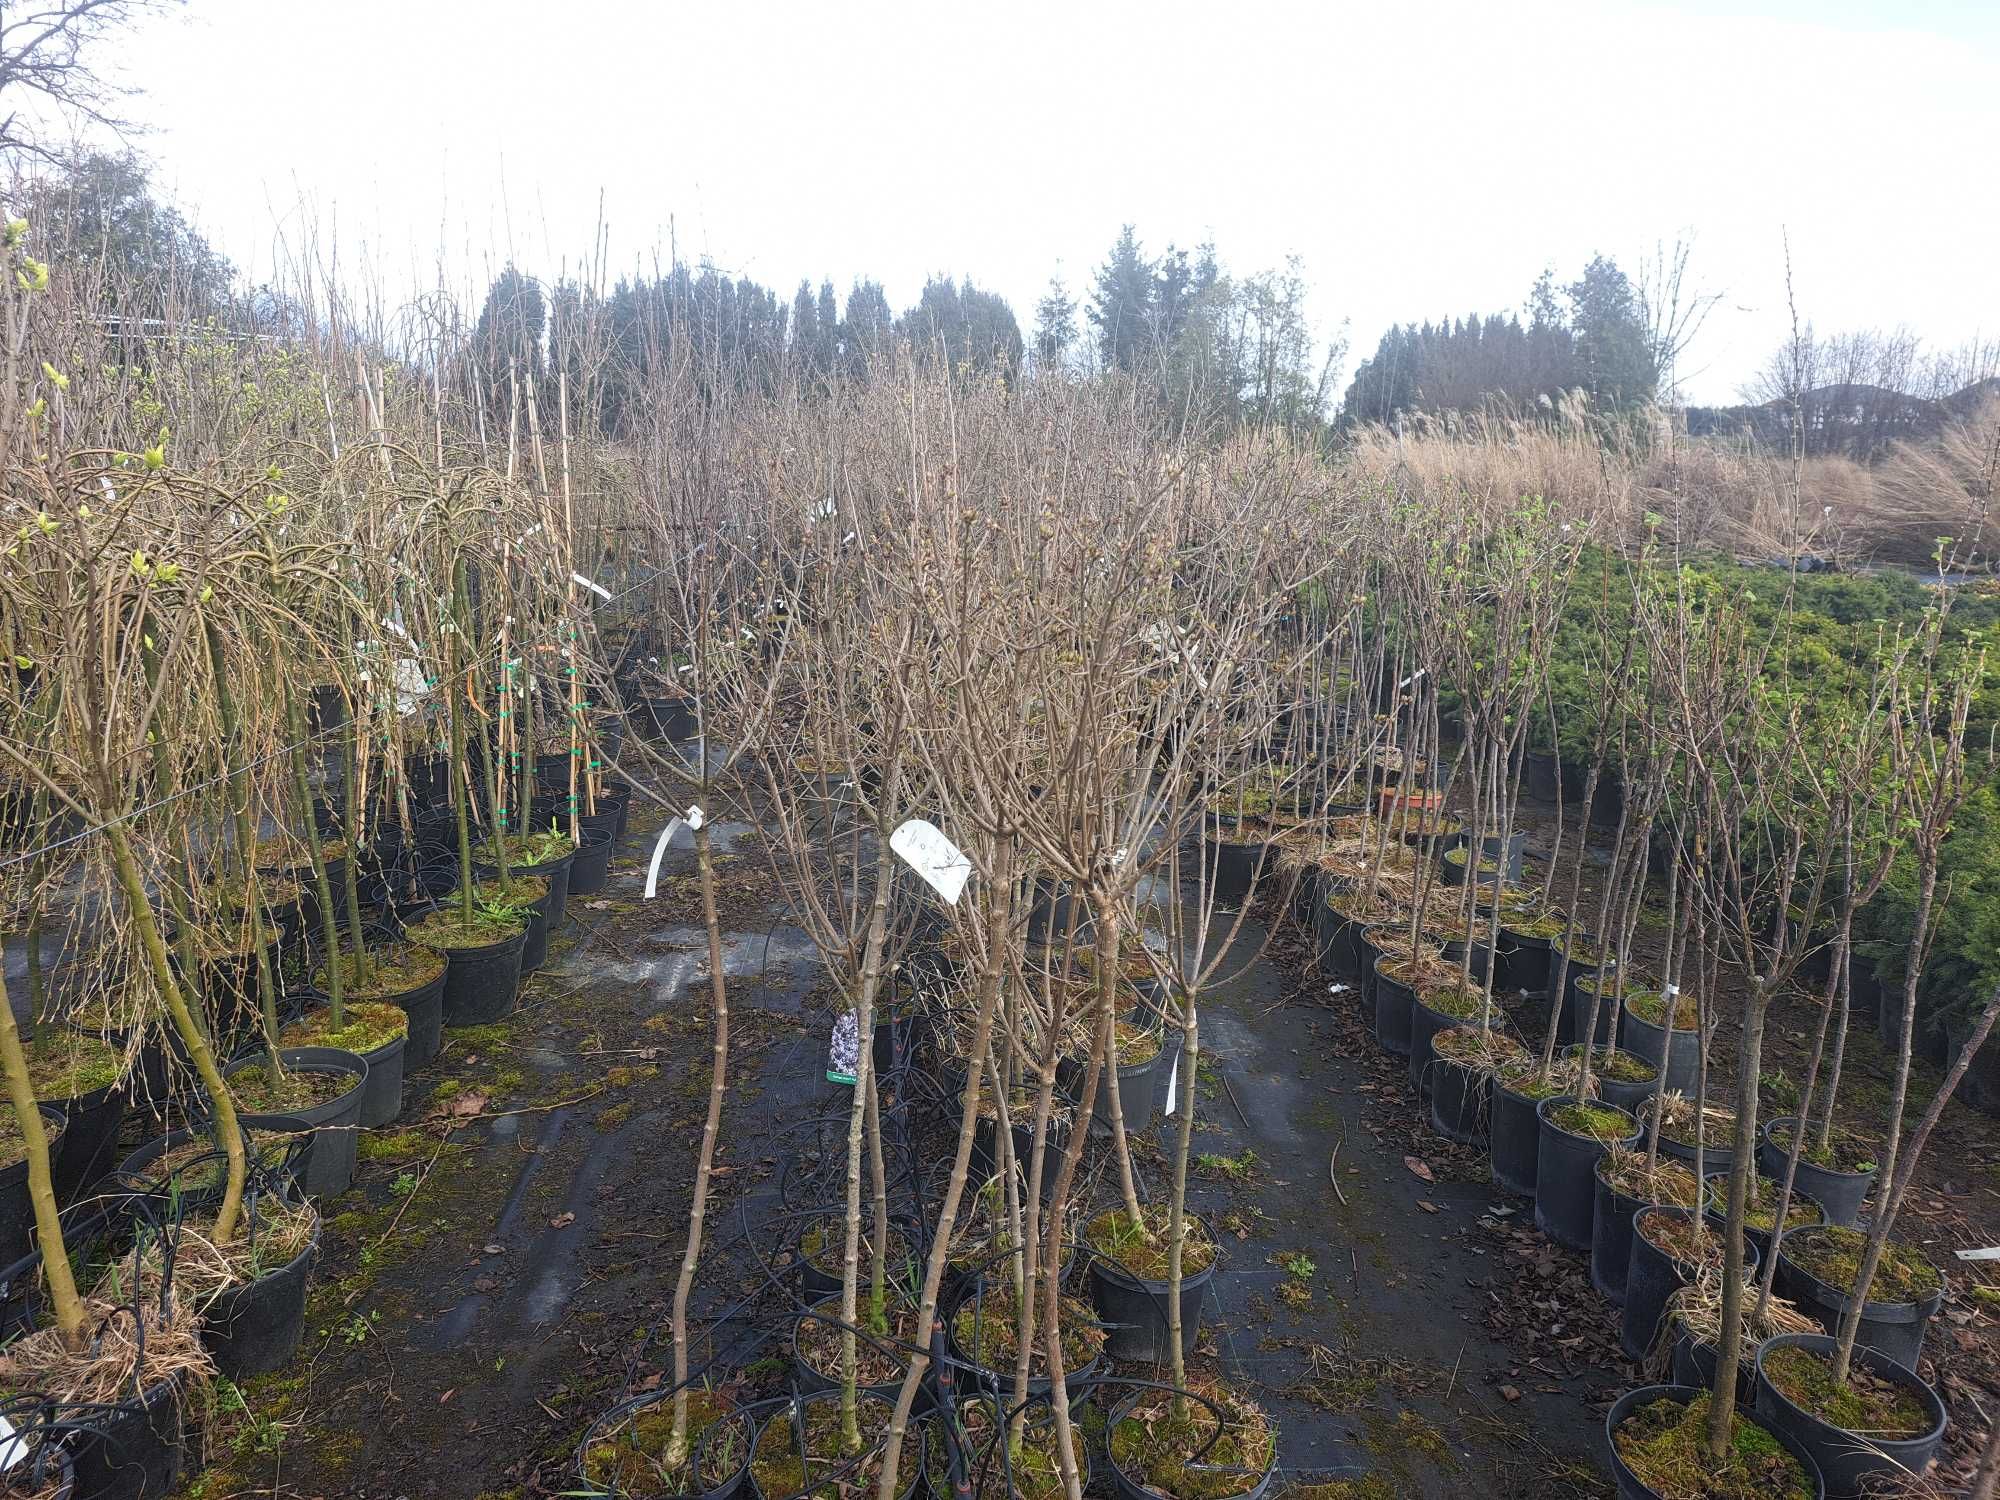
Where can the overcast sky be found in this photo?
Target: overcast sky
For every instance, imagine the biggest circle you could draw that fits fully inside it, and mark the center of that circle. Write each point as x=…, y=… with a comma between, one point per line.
x=1422, y=159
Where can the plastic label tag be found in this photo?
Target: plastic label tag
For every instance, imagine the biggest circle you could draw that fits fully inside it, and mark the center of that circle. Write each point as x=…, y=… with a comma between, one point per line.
x=12, y=1447
x=1174, y=1085
x=939, y=862
x=596, y=588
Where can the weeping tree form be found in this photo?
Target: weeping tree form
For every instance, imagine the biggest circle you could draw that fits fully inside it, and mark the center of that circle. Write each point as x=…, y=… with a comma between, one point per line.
x=101, y=581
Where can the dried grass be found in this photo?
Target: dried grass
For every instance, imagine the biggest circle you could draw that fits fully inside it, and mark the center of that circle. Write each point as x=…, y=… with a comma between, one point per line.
x=101, y=1372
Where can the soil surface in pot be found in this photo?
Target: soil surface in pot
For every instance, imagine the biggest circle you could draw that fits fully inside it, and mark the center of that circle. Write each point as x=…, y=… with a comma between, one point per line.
x=985, y=1327
x=1683, y=1237
x=1185, y=1456
x=1867, y=1404
x=1593, y=1120
x=1141, y=1250
x=1621, y=1067
x=1762, y=1211
x=446, y=928
x=1035, y=1466
x=1666, y=1445
x=1669, y=1182
x=1833, y=1254
x=397, y=969
x=366, y=1026
x=779, y=1470
x=64, y=1064
x=1650, y=1006
x=258, y=1091
x=880, y=1349
x=1843, y=1152
x=634, y=1458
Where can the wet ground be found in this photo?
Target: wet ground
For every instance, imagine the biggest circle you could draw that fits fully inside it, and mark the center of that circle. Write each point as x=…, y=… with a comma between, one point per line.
x=501, y=1272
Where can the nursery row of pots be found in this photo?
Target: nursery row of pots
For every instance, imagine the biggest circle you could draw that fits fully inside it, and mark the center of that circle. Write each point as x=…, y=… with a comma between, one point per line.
x=1626, y=1194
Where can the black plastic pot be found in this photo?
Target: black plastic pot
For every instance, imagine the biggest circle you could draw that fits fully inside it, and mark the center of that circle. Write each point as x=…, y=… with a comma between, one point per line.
x=1133, y=1486
x=333, y=1124
x=1611, y=1235
x=1895, y=1329
x=1458, y=1099
x=1681, y=1056
x=1425, y=1023
x=1840, y=1194
x=1853, y=1463
x=1576, y=1006
x=985, y=1157
x=1514, y=1140
x=1651, y=1278
x=874, y=1422
x=17, y=1210
x=1565, y=1176
x=133, y=1451
x=1631, y=1487
x=133, y=1174
x=89, y=1140
x=1133, y=1310
x=811, y=1379
x=1394, y=1003
x=1695, y=1362
x=555, y=871
x=1237, y=865
x=425, y=1008
x=480, y=984
x=1527, y=962
x=590, y=868
x=1135, y=1091
x=255, y=1327
x=1056, y=910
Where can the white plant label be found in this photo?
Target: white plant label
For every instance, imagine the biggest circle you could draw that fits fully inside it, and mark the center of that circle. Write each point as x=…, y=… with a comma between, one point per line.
x=12, y=1447
x=1174, y=1085
x=937, y=860
x=694, y=819
x=596, y=588
x=827, y=510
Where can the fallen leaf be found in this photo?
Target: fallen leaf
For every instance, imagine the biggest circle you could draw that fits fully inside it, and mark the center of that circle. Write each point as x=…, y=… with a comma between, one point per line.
x=647, y=1054
x=1419, y=1168
x=454, y=1390
x=494, y=1250
x=485, y=1283
x=1510, y=1393
x=467, y=1105
x=562, y=1221
x=1430, y=1208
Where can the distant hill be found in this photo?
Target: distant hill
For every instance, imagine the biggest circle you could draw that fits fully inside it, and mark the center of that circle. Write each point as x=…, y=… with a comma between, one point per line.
x=1858, y=421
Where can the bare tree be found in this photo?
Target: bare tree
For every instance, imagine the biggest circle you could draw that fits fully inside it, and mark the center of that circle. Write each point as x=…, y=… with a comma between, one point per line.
x=49, y=64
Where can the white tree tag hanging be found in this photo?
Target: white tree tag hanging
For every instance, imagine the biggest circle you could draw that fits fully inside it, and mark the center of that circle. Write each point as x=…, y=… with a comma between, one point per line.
x=694, y=819
x=937, y=860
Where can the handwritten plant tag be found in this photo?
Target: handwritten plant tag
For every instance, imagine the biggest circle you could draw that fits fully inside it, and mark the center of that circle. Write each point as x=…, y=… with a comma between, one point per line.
x=939, y=862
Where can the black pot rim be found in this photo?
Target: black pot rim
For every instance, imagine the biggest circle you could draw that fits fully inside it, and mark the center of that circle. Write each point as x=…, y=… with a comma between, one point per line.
x=1638, y=1020
x=52, y=1115
x=328, y=1062
x=905, y=1487
x=600, y=1429
x=1879, y=1363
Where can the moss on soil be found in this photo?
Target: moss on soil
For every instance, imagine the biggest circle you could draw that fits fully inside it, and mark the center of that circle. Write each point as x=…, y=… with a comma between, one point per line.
x=257, y=1092
x=1144, y=1253
x=368, y=1025
x=444, y=929
x=1136, y=1044
x=1666, y=1445
x=985, y=1328
x=1867, y=1404
x=14, y=1145
x=1681, y=1237
x=1762, y=1211
x=632, y=1460
x=824, y=1246
x=1520, y=1078
x=1598, y=1121
x=1454, y=998
x=778, y=1468
x=1176, y=1457
x=1842, y=1153
x=64, y=1064
x=1621, y=1066
x=1035, y=1465
x=398, y=969
x=1833, y=1254
x=1368, y=1487
x=1650, y=1006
